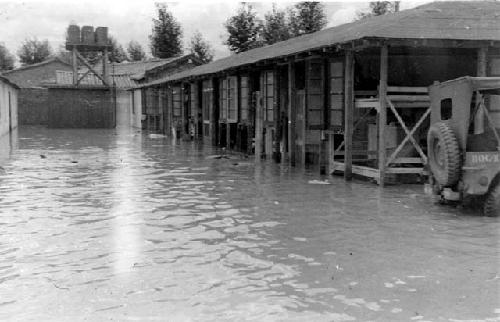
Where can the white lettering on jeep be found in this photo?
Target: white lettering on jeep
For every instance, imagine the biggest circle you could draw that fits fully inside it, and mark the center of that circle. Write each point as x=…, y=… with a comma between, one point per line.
x=485, y=158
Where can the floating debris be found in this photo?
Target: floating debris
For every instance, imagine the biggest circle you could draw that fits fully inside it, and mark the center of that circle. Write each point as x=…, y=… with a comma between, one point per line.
x=156, y=136
x=319, y=182
x=218, y=156
x=300, y=239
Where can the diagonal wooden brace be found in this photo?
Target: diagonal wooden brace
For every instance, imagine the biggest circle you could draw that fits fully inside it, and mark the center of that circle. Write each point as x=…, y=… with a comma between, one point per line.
x=409, y=134
x=84, y=61
x=80, y=78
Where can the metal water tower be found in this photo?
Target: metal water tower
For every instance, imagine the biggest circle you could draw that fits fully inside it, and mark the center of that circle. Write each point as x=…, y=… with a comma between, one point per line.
x=87, y=39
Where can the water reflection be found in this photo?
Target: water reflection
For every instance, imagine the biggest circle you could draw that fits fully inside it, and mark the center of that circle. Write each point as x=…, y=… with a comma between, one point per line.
x=115, y=224
x=126, y=224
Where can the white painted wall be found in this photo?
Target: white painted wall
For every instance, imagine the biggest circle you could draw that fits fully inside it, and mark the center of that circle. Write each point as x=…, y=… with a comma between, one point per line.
x=136, y=108
x=123, y=108
x=8, y=100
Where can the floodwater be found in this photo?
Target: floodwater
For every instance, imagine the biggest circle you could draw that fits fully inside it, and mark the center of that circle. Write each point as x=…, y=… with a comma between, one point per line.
x=114, y=225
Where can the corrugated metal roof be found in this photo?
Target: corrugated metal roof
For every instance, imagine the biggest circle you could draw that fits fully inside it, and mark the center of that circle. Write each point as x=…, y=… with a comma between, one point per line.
x=66, y=78
x=458, y=20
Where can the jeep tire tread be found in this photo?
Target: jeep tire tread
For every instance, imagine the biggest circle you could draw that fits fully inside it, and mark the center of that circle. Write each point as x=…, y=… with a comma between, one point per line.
x=445, y=160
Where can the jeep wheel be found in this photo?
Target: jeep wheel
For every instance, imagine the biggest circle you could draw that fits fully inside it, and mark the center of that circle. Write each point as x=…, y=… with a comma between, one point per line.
x=492, y=202
x=444, y=154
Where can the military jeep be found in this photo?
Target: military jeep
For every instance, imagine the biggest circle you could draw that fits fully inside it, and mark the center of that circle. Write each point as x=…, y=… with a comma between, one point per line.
x=463, y=141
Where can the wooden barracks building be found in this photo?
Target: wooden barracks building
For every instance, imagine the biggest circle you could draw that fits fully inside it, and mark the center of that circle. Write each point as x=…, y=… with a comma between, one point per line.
x=351, y=98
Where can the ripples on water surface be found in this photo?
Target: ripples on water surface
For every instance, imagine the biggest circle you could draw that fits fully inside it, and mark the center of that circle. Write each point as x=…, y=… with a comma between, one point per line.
x=99, y=225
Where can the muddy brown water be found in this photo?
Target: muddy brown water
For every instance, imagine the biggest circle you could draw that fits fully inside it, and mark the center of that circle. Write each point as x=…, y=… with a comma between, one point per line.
x=115, y=225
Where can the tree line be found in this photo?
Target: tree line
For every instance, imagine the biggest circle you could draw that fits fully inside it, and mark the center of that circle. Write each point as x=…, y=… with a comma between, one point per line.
x=245, y=31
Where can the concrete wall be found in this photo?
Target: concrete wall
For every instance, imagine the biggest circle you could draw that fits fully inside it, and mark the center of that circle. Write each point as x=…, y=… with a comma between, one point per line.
x=81, y=108
x=33, y=106
x=8, y=107
x=136, y=109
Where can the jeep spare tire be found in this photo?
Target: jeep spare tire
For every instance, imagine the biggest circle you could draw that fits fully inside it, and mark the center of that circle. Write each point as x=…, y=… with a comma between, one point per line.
x=445, y=160
x=492, y=202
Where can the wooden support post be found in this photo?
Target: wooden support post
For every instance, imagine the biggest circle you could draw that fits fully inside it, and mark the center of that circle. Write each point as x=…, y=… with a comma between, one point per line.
x=183, y=112
x=237, y=145
x=259, y=119
x=268, y=143
x=481, y=72
x=382, y=113
x=291, y=112
x=170, y=112
x=275, y=139
x=213, y=114
x=349, y=112
x=482, y=54
x=228, y=134
x=160, y=109
x=195, y=103
x=75, y=67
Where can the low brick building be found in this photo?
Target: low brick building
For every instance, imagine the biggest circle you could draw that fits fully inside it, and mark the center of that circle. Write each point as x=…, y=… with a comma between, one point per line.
x=32, y=96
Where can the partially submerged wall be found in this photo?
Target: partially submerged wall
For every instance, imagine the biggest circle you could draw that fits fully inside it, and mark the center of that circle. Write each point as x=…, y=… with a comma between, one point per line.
x=70, y=107
x=123, y=108
x=8, y=107
x=136, y=108
x=33, y=106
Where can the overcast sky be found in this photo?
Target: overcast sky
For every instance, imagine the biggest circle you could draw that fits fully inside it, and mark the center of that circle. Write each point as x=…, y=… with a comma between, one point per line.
x=131, y=20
